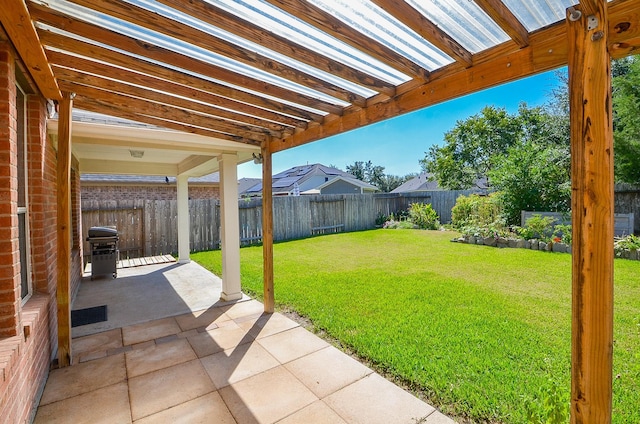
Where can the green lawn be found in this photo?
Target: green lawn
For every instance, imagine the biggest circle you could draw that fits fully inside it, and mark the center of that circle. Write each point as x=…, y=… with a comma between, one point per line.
x=483, y=333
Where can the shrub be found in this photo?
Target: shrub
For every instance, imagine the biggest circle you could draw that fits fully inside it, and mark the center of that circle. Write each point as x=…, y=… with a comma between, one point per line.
x=540, y=227
x=563, y=232
x=476, y=211
x=423, y=216
x=629, y=242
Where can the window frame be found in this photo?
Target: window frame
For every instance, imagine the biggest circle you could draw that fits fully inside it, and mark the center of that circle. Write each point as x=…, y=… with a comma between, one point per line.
x=22, y=125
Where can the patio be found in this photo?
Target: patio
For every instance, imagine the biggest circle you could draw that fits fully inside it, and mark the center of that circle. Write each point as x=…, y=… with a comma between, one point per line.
x=172, y=352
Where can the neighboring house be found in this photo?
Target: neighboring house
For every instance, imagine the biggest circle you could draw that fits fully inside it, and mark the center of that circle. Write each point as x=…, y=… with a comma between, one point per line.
x=245, y=184
x=147, y=187
x=426, y=182
x=314, y=179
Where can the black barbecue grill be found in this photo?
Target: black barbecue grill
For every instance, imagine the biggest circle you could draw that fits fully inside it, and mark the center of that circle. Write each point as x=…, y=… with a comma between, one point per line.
x=103, y=242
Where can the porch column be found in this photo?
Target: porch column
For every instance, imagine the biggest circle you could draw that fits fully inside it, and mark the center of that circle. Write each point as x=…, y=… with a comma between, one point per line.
x=184, y=229
x=267, y=229
x=592, y=213
x=230, y=223
x=63, y=288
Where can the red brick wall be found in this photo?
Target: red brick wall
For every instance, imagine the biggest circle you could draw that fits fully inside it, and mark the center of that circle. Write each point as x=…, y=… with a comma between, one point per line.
x=27, y=363
x=9, y=254
x=131, y=192
x=28, y=332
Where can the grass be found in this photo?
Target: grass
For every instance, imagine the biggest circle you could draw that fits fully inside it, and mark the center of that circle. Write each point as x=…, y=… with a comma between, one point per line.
x=482, y=333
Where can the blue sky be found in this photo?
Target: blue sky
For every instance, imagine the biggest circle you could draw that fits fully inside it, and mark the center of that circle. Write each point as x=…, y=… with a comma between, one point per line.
x=399, y=143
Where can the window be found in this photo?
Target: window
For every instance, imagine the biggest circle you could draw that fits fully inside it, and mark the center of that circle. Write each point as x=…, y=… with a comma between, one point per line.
x=23, y=216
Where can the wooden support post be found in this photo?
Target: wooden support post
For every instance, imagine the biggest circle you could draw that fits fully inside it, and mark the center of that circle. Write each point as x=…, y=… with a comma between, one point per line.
x=267, y=229
x=592, y=214
x=63, y=292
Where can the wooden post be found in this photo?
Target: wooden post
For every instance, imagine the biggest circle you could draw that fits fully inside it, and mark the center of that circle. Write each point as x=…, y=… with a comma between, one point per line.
x=592, y=213
x=267, y=229
x=63, y=292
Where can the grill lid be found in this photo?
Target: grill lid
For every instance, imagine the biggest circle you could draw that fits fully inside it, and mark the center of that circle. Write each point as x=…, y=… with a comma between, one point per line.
x=102, y=232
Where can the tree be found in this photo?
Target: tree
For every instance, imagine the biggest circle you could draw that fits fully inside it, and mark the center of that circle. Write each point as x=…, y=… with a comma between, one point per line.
x=374, y=175
x=525, y=157
x=471, y=148
x=626, y=119
x=367, y=172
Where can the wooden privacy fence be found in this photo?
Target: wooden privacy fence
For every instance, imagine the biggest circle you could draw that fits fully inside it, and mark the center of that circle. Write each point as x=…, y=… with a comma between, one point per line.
x=149, y=227
x=623, y=222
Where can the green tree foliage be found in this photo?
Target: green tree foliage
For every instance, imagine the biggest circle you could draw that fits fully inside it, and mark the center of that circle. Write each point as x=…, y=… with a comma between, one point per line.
x=374, y=175
x=626, y=121
x=471, y=148
x=525, y=157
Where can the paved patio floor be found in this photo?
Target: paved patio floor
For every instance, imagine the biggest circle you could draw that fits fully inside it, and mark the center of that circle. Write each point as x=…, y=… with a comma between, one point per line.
x=226, y=363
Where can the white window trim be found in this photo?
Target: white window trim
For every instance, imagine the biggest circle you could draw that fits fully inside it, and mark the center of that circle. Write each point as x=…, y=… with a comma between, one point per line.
x=24, y=210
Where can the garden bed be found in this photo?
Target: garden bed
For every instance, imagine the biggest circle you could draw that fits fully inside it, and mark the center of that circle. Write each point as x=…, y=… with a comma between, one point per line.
x=535, y=244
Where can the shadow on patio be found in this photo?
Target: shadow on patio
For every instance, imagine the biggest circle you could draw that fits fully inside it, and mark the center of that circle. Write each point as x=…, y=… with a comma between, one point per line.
x=172, y=352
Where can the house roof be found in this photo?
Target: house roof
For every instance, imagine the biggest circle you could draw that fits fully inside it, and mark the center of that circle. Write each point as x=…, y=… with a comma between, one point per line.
x=283, y=73
x=285, y=181
x=426, y=182
x=213, y=178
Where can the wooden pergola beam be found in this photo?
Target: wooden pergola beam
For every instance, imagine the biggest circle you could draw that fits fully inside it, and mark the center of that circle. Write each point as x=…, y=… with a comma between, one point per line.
x=63, y=258
x=167, y=112
x=99, y=106
x=592, y=216
x=333, y=26
x=503, y=16
x=16, y=20
x=123, y=64
x=547, y=50
x=427, y=29
x=44, y=14
x=72, y=76
x=216, y=16
x=147, y=19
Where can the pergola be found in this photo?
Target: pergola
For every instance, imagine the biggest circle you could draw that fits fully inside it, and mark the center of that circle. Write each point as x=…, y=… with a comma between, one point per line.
x=275, y=74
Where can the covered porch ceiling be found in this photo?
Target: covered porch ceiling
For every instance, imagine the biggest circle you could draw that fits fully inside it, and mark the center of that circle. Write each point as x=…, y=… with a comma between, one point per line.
x=282, y=73
x=119, y=146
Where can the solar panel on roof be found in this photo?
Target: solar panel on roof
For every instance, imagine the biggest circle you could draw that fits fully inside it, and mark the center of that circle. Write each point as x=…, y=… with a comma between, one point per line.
x=285, y=182
x=255, y=189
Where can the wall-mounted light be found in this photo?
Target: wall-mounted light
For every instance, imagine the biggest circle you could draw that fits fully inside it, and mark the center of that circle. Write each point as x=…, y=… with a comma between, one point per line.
x=136, y=153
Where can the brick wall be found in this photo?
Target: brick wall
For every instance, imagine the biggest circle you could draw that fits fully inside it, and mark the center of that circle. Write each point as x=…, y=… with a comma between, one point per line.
x=28, y=332
x=147, y=192
x=9, y=254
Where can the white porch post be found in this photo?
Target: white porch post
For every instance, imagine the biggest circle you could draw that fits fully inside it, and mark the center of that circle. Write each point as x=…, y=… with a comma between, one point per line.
x=184, y=228
x=230, y=223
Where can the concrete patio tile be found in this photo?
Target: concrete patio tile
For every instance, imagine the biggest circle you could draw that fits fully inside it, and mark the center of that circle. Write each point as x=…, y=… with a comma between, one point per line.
x=268, y=324
x=242, y=309
x=316, y=413
x=219, y=339
x=236, y=364
x=374, y=400
x=266, y=397
x=149, y=330
x=206, y=409
x=327, y=370
x=97, y=342
x=204, y=318
x=72, y=381
x=108, y=405
x=156, y=357
x=292, y=344
x=159, y=390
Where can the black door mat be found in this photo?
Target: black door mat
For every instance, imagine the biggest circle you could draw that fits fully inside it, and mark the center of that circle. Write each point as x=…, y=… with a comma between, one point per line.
x=88, y=316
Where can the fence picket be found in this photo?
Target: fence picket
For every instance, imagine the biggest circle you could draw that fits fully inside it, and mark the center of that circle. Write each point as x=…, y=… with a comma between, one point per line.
x=149, y=227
